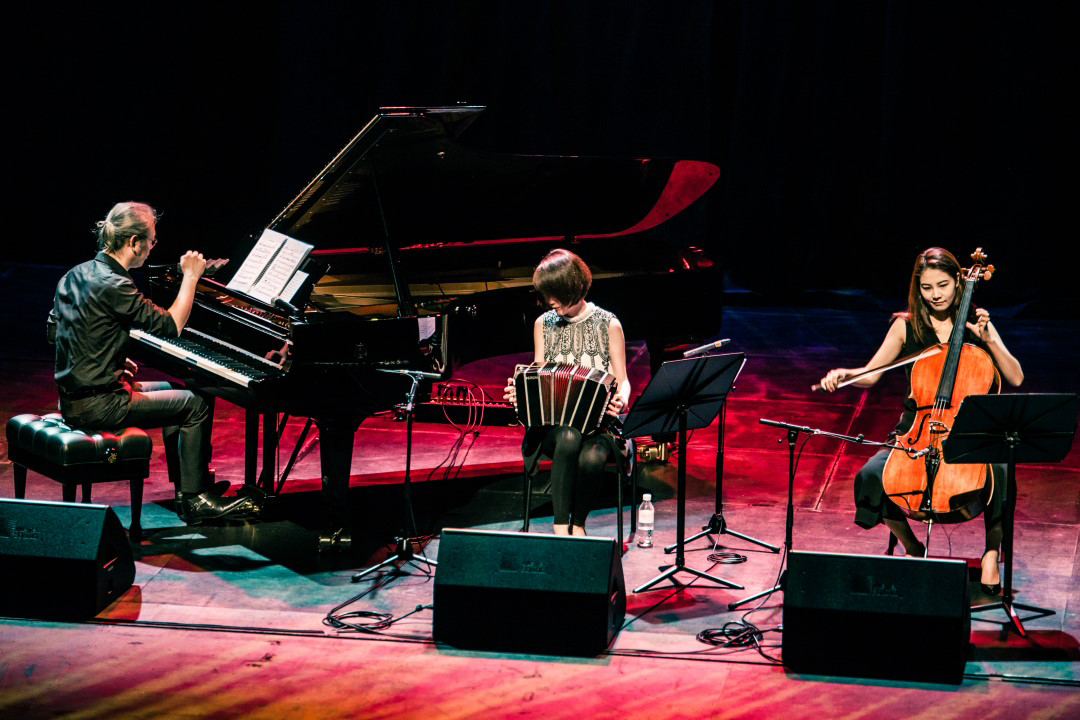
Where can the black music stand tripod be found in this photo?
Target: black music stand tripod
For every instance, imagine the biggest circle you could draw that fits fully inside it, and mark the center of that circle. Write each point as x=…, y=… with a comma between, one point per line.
x=684, y=394
x=403, y=546
x=717, y=525
x=1012, y=429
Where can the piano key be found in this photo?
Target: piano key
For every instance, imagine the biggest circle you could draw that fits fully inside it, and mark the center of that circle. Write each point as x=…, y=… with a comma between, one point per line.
x=201, y=357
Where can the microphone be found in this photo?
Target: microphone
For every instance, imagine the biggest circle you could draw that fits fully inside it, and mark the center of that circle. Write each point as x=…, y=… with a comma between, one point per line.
x=411, y=373
x=285, y=306
x=706, y=348
x=786, y=426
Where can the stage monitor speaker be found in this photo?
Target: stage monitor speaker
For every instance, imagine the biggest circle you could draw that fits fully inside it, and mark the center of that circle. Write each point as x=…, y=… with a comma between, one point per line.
x=63, y=561
x=528, y=593
x=876, y=616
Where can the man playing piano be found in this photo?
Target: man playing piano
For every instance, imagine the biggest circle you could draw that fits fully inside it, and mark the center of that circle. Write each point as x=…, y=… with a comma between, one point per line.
x=95, y=306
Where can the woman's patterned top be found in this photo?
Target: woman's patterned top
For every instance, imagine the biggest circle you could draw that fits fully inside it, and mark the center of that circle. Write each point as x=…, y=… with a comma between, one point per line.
x=581, y=340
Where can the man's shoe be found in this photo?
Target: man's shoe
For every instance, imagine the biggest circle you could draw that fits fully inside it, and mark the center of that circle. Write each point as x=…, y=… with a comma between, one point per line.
x=218, y=489
x=195, y=510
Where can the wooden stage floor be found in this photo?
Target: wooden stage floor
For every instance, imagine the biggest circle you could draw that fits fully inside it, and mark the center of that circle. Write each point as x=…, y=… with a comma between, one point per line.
x=228, y=621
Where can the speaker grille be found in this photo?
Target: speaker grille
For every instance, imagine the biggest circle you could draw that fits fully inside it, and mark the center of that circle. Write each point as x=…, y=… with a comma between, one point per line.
x=874, y=616
x=528, y=593
x=65, y=560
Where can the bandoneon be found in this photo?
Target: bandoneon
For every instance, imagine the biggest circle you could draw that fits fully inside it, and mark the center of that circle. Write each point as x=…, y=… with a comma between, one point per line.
x=568, y=395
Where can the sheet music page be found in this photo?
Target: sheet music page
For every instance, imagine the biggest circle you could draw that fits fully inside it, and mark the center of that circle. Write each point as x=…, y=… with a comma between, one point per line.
x=260, y=255
x=290, y=255
x=294, y=286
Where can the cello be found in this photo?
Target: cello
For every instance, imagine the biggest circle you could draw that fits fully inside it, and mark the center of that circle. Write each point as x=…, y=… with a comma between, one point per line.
x=916, y=478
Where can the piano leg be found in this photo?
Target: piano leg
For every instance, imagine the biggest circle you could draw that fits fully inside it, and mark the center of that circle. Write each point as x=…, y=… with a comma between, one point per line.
x=269, y=452
x=251, y=447
x=335, y=450
x=252, y=477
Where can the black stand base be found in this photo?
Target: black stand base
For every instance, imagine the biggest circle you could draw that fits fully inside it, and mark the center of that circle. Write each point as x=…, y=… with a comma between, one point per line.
x=1010, y=608
x=779, y=586
x=671, y=570
x=718, y=526
x=403, y=550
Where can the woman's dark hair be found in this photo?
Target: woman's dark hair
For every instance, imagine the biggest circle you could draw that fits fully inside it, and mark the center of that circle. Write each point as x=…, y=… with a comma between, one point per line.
x=562, y=276
x=918, y=314
x=124, y=220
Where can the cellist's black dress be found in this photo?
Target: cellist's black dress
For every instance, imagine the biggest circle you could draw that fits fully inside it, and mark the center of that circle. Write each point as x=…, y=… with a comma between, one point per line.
x=871, y=505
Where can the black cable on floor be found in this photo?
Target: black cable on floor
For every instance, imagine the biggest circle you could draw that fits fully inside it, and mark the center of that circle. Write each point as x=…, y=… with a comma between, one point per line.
x=347, y=622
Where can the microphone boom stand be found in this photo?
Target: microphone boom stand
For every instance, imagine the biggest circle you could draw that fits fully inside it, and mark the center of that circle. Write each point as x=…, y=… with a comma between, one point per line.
x=792, y=434
x=403, y=549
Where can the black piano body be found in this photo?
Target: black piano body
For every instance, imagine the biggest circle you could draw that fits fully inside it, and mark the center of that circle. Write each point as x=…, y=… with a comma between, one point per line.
x=424, y=251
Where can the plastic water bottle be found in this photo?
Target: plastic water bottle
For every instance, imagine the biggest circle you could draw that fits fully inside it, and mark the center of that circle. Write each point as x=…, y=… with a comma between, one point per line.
x=645, y=521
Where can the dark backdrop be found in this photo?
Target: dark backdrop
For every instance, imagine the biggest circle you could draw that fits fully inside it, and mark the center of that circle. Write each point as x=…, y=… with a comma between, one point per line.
x=850, y=134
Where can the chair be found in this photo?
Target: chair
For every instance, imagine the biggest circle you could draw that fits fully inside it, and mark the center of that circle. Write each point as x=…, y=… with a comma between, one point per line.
x=76, y=457
x=626, y=470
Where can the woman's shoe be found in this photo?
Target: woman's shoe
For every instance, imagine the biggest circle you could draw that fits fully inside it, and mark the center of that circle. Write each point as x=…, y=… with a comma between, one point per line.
x=995, y=588
x=920, y=553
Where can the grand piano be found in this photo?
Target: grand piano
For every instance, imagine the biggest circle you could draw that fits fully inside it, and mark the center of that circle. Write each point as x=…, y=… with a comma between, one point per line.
x=424, y=250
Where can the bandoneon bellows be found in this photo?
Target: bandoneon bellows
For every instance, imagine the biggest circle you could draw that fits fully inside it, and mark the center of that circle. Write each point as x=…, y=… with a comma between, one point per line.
x=569, y=395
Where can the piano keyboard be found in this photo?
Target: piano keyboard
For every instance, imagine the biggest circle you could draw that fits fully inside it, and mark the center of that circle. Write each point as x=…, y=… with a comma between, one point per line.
x=201, y=354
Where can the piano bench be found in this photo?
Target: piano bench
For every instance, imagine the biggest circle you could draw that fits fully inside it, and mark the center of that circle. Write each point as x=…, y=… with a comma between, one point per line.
x=50, y=447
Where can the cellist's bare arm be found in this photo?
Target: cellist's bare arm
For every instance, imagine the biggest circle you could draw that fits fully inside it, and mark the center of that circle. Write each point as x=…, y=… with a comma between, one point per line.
x=1008, y=366
x=889, y=351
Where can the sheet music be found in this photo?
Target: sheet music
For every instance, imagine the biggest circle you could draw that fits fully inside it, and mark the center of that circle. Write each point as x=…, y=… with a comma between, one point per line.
x=260, y=255
x=294, y=286
x=271, y=264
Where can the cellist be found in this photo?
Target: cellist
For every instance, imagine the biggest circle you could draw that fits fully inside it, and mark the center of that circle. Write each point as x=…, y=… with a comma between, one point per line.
x=933, y=300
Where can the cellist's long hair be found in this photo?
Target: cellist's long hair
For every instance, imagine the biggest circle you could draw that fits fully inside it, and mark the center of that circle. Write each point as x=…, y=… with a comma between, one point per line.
x=918, y=314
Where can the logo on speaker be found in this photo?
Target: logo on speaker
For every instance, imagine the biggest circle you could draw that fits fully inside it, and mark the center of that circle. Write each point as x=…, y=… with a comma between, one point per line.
x=868, y=586
x=521, y=565
x=8, y=529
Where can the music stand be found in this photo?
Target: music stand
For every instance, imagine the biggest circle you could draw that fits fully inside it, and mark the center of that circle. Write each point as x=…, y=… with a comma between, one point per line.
x=685, y=394
x=1011, y=429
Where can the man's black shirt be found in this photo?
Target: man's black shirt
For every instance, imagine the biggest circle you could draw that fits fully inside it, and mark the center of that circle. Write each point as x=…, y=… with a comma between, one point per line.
x=95, y=306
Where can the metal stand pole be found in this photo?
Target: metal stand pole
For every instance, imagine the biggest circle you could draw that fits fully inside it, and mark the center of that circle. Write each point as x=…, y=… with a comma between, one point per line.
x=790, y=522
x=680, y=524
x=1006, y=603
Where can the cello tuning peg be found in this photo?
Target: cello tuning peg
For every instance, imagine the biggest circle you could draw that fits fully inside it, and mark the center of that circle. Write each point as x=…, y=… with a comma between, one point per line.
x=988, y=272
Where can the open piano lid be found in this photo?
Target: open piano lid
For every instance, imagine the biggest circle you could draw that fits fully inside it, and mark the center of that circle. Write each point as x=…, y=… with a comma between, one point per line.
x=403, y=180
